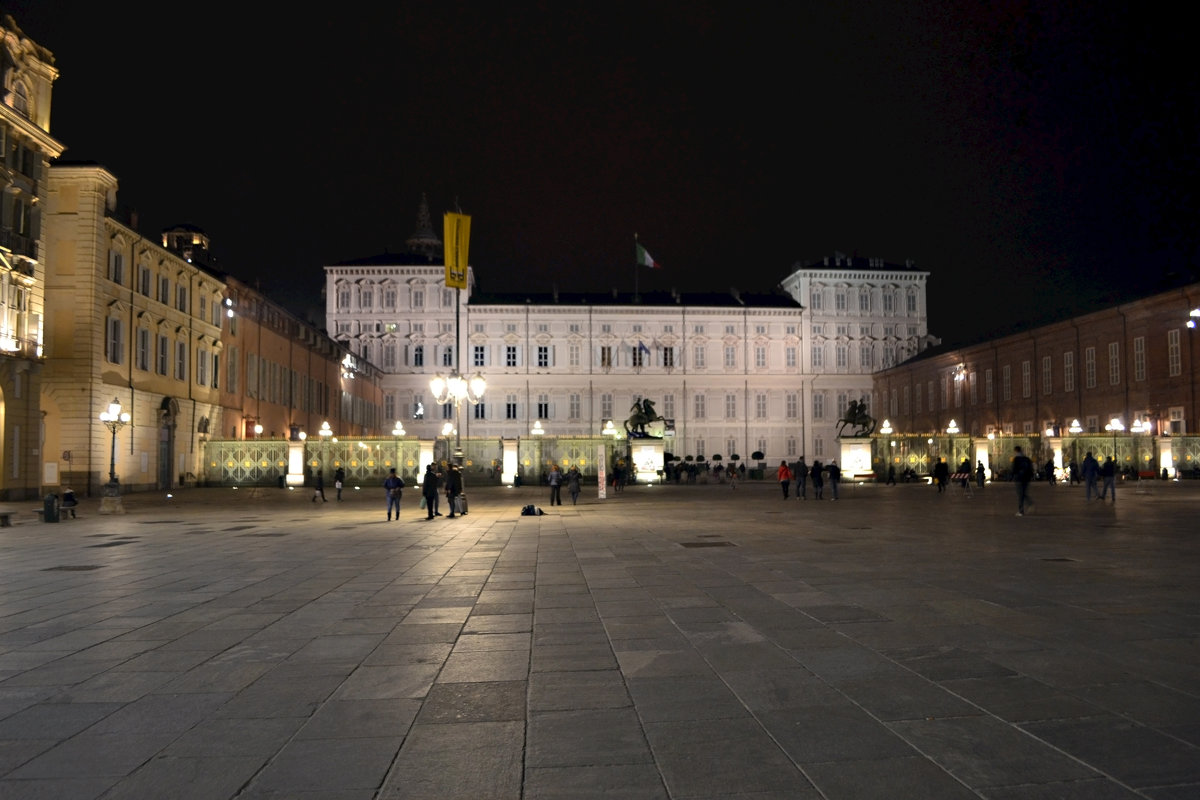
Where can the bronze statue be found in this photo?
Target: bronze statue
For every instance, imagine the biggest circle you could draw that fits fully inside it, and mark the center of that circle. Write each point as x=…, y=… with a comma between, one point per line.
x=856, y=415
x=641, y=414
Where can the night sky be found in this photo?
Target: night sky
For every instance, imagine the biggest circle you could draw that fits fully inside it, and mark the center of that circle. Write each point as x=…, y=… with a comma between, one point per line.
x=1031, y=156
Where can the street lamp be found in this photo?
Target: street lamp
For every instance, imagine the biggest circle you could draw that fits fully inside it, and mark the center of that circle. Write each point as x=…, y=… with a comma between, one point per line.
x=1137, y=427
x=455, y=388
x=397, y=432
x=326, y=433
x=952, y=429
x=114, y=419
x=1115, y=426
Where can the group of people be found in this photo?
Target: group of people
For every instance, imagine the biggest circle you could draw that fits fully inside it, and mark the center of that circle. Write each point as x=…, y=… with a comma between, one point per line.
x=433, y=484
x=555, y=479
x=801, y=473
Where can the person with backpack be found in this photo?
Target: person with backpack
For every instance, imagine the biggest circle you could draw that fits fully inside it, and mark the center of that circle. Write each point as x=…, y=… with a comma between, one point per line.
x=1022, y=469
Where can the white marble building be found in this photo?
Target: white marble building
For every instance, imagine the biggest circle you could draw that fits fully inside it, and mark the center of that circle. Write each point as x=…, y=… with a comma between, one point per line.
x=737, y=372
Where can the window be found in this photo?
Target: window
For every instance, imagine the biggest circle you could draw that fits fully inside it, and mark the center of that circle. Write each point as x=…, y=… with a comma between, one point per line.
x=480, y=411
x=730, y=356
x=145, y=283
x=815, y=300
x=418, y=407
x=730, y=406
x=201, y=367
x=700, y=448
x=389, y=360
x=889, y=303
x=1026, y=379
x=216, y=370
x=543, y=356
x=760, y=356
x=791, y=447
x=606, y=360
x=573, y=406
x=1089, y=368
x=510, y=355
x=668, y=357
x=164, y=355
x=419, y=355
x=1139, y=358
x=842, y=354
x=864, y=357
x=988, y=389
x=818, y=356
x=606, y=406
x=510, y=406
x=635, y=356
x=760, y=406
x=448, y=302
x=181, y=297
x=116, y=267
x=478, y=355
x=864, y=302
x=789, y=357
x=366, y=299
x=389, y=406
x=115, y=347
x=818, y=399
x=181, y=361
x=917, y=398
x=1114, y=363
x=1174, y=359
x=448, y=356
x=1047, y=375
x=389, y=298
x=698, y=357
x=791, y=405
x=447, y=410
x=573, y=355
x=912, y=304
x=543, y=406
x=839, y=301
x=1068, y=372
x=698, y=406
x=698, y=330
x=418, y=298
x=730, y=330
x=668, y=406
x=1006, y=382
x=143, y=349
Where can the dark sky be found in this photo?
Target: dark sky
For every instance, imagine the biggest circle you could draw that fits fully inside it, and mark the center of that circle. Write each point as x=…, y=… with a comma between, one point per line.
x=1029, y=155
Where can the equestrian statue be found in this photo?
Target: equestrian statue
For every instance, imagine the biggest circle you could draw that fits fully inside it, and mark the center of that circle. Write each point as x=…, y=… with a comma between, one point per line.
x=857, y=417
x=642, y=413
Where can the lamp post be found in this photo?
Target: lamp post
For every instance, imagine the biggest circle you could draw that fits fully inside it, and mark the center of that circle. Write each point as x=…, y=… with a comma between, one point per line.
x=326, y=433
x=1114, y=426
x=114, y=419
x=952, y=429
x=886, y=430
x=1074, y=429
x=456, y=388
x=1136, y=428
x=397, y=432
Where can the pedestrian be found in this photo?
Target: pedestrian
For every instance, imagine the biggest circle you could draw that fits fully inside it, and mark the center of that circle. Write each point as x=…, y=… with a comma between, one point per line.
x=733, y=476
x=835, y=477
x=1109, y=473
x=818, y=480
x=980, y=474
x=1091, y=472
x=1073, y=473
x=785, y=477
x=1022, y=470
x=338, y=477
x=964, y=473
x=801, y=479
x=392, y=485
x=941, y=474
x=453, y=488
x=1050, y=472
x=891, y=478
x=319, y=489
x=555, y=481
x=573, y=477
x=429, y=490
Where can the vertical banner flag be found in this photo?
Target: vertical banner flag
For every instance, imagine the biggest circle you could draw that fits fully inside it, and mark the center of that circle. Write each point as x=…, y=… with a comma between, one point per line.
x=644, y=259
x=457, y=238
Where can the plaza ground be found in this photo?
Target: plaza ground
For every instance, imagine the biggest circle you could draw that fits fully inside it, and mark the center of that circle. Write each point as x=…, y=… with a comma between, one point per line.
x=668, y=642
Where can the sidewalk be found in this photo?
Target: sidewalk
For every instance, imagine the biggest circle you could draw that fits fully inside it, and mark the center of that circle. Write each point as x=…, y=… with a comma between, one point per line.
x=669, y=642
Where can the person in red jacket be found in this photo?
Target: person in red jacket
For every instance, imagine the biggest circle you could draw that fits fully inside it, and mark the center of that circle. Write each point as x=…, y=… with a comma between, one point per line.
x=785, y=477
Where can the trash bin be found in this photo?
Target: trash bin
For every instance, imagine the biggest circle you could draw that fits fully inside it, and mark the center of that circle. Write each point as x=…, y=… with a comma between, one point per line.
x=50, y=508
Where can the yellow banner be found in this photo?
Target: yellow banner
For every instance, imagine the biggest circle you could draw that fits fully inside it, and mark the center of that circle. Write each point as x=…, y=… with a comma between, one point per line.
x=457, y=238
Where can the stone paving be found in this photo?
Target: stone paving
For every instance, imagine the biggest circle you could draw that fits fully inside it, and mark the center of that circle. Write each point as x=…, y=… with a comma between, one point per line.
x=669, y=642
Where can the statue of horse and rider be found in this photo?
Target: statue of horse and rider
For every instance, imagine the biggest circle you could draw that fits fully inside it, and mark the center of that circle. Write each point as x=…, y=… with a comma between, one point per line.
x=642, y=413
x=856, y=416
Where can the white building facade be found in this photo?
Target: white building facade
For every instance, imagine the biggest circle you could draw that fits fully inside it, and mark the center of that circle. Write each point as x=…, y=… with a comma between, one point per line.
x=735, y=372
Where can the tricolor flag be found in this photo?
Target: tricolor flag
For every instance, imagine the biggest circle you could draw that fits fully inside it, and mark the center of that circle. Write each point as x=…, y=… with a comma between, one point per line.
x=644, y=258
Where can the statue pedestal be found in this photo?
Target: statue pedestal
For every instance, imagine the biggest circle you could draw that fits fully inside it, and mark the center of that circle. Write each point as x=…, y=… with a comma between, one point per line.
x=856, y=458
x=647, y=457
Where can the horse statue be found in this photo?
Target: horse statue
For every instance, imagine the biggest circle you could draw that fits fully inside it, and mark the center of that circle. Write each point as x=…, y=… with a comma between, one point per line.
x=856, y=415
x=641, y=414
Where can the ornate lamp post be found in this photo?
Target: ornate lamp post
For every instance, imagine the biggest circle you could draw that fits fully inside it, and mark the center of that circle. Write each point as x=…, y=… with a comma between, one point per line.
x=456, y=388
x=397, y=432
x=1115, y=426
x=114, y=419
x=952, y=429
x=326, y=433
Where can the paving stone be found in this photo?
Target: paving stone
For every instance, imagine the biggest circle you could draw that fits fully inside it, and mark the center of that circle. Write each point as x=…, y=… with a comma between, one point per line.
x=585, y=738
x=489, y=701
x=469, y=760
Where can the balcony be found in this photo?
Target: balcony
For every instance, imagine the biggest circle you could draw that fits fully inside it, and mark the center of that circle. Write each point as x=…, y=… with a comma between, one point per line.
x=19, y=245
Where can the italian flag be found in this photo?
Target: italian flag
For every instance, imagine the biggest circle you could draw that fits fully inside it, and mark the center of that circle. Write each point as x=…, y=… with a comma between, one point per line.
x=645, y=259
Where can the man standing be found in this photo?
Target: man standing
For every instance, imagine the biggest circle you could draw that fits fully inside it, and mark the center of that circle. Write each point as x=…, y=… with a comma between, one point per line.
x=1022, y=469
x=453, y=487
x=835, y=476
x=801, y=479
x=429, y=490
x=392, y=485
x=941, y=474
x=1091, y=471
x=1109, y=473
x=555, y=481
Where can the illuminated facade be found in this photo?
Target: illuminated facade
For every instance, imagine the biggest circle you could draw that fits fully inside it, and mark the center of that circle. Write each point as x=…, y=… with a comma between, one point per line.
x=25, y=149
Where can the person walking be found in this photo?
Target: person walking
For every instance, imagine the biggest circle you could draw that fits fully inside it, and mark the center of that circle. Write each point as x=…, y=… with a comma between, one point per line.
x=835, y=477
x=1022, y=470
x=555, y=481
x=429, y=490
x=785, y=477
x=818, y=480
x=801, y=479
x=573, y=477
x=941, y=474
x=338, y=478
x=733, y=476
x=891, y=476
x=319, y=488
x=453, y=487
x=1109, y=473
x=1091, y=472
x=392, y=485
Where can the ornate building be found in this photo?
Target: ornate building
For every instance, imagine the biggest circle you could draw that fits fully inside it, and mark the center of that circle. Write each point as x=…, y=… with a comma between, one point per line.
x=734, y=372
x=26, y=147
